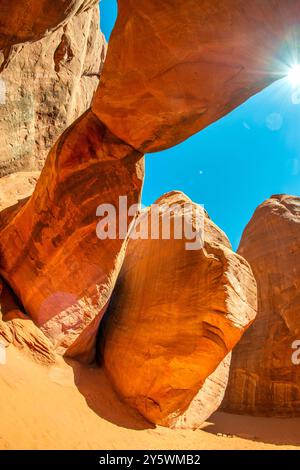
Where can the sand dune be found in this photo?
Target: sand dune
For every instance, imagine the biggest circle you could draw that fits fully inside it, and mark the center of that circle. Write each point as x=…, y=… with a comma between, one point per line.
x=68, y=406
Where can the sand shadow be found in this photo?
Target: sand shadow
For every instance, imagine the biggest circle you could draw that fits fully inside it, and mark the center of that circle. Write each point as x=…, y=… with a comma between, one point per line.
x=92, y=382
x=279, y=431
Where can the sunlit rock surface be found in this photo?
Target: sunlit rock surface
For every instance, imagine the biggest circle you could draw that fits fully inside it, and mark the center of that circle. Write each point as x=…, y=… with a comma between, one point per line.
x=49, y=250
x=174, y=316
x=19, y=330
x=28, y=20
x=16, y=187
x=45, y=86
x=263, y=378
x=212, y=56
x=175, y=67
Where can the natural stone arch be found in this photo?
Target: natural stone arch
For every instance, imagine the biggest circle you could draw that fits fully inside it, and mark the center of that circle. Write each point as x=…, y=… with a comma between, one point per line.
x=172, y=68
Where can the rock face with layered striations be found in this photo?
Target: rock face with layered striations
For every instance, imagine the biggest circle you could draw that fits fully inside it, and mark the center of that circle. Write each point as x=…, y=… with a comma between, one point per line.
x=175, y=67
x=263, y=378
x=174, y=317
x=20, y=331
x=49, y=250
x=29, y=20
x=212, y=56
x=45, y=86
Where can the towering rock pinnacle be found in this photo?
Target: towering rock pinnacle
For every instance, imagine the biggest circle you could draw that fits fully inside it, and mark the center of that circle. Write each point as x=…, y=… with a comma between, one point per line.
x=264, y=379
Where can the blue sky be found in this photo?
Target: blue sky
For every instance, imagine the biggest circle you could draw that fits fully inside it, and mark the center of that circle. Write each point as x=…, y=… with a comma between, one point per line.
x=237, y=162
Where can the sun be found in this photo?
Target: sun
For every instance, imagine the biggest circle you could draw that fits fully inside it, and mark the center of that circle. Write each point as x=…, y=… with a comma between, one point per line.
x=294, y=75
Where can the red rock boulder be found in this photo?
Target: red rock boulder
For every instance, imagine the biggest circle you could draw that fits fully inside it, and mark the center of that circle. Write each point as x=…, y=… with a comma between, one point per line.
x=264, y=377
x=174, y=317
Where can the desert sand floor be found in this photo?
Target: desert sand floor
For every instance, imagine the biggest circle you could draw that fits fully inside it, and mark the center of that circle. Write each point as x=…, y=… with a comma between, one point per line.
x=69, y=406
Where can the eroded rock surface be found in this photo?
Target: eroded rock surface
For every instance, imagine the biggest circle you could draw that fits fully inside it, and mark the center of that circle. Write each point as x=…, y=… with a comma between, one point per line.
x=174, y=316
x=16, y=187
x=175, y=67
x=212, y=56
x=49, y=250
x=20, y=331
x=45, y=86
x=28, y=20
x=263, y=378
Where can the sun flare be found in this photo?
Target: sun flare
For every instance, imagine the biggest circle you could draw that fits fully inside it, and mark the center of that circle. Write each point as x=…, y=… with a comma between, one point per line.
x=294, y=75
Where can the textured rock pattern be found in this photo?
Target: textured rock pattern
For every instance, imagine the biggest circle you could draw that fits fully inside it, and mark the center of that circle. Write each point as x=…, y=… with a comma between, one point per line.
x=19, y=330
x=49, y=251
x=16, y=187
x=207, y=400
x=44, y=87
x=28, y=20
x=174, y=67
x=174, y=316
x=263, y=379
x=212, y=56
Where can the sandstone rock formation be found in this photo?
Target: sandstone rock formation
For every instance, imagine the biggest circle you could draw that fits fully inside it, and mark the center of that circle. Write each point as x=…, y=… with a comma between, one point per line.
x=28, y=20
x=174, y=316
x=16, y=187
x=174, y=67
x=211, y=58
x=45, y=86
x=49, y=251
x=263, y=378
x=20, y=331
